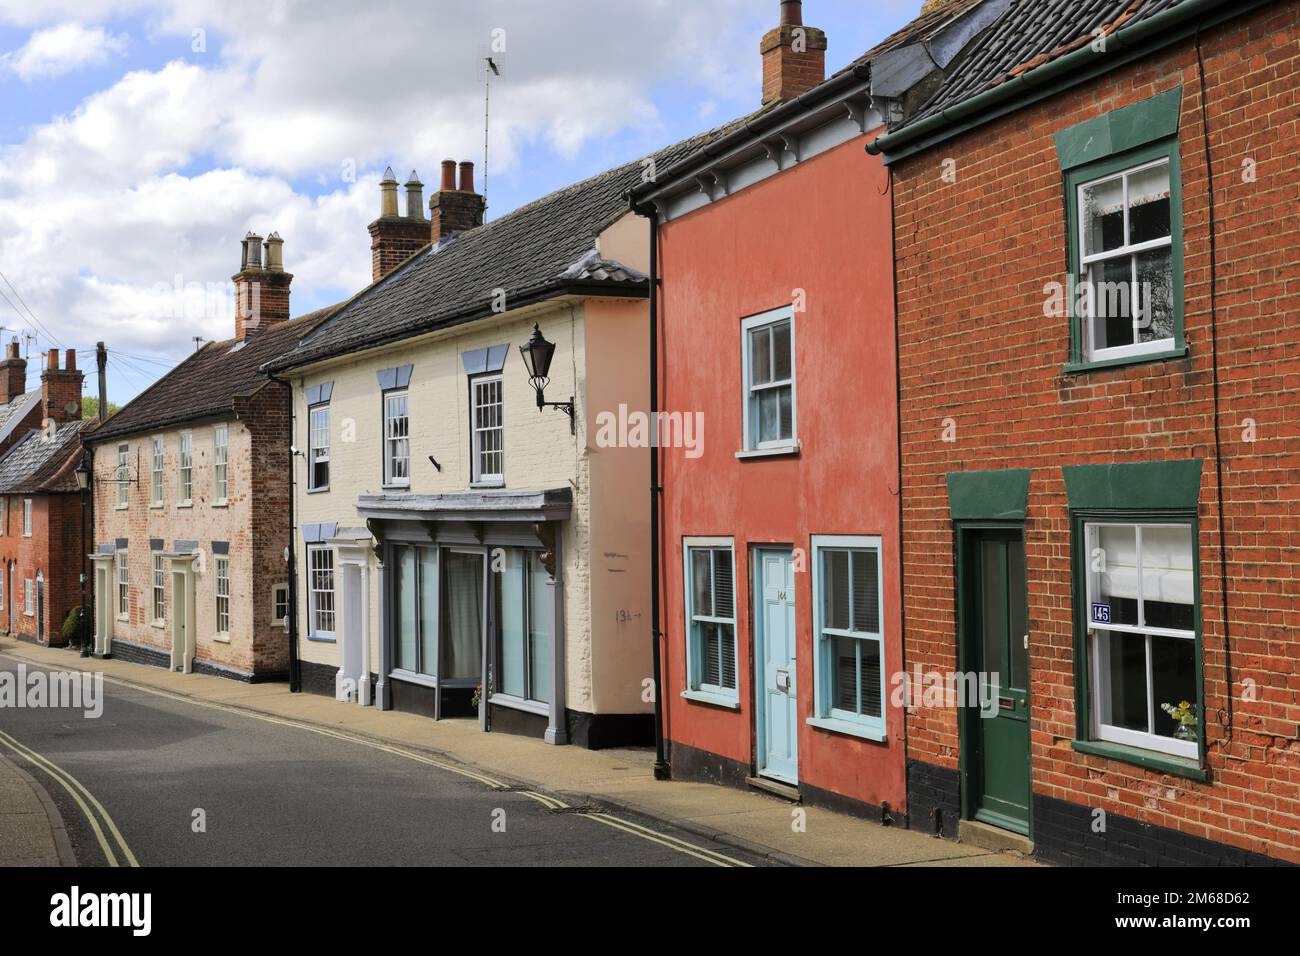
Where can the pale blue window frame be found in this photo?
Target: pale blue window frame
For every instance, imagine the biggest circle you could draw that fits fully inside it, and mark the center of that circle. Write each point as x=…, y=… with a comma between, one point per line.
x=825, y=715
x=696, y=688
x=748, y=328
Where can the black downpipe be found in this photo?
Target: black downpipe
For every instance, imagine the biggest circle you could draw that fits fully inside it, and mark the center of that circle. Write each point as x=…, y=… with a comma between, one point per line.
x=295, y=668
x=663, y=770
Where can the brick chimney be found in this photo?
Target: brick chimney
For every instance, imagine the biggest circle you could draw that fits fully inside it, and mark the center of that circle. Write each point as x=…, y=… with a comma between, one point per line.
x=261, y=290
x=13, y=374
x=455, y=207
x=393, y=237
x=61, y=388
x=794, y=56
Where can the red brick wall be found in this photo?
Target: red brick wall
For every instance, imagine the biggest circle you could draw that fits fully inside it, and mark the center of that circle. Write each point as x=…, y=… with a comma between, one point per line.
x=55, y=518
x=973, y=257
x=267, y=415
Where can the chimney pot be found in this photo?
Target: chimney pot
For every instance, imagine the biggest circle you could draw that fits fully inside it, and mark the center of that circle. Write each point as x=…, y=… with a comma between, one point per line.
x=448, y=175
x=467, y=177
x=414, y=197
x=274, y=253
x=791, y=13
x=13, y=349
x=70, y=360
x=388, y=194
x=52, y=359
x=252, y=253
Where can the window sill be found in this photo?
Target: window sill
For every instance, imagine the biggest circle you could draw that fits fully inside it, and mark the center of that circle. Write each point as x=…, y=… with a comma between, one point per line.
x=158, y=624
x=406, y=487
x=713, y=700
x=1083, y=367
x=156, y=505
x=1164, y=763
x=121, y=507
x=518, y=703
x=322, y=638
x=776, y=451
x=221, y=638
x=221, y=503
x=184, y=504
x=488, y=484
x=411, y=677
x=123, y=619
x=847, y=727
x=318, y=491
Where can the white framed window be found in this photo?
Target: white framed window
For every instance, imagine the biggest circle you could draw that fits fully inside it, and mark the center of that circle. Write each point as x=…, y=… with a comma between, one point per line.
x=27, y=517
x=1142, y=647
x=709, y=576
x=397, y=440
x=318, y=448
x=123, y=475
x=156, y=471
x=280, y=605
x=221, y=565
x=159, y=589
x=29, y=597
x=123, y=584
x=320, y=591
x=186, y=461
x=1126, y=262
x=487, y=407
x=220, y=463
x=767, y=344
x=523, y=611
x=848, y=635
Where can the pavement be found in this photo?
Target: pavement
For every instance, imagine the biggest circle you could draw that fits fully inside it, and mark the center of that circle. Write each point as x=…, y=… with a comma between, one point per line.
x=364, y=757
x=32, y=832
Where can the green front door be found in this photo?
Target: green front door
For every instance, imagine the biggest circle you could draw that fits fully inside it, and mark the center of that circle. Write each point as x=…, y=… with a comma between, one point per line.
x=998, y=634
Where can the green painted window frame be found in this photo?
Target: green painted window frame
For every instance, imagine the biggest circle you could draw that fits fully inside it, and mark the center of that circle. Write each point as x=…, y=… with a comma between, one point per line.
x=1084, y=742
x=1167, y=148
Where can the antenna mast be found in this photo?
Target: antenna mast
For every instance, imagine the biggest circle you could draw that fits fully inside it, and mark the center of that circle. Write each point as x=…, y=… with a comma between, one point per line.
x=487, y=100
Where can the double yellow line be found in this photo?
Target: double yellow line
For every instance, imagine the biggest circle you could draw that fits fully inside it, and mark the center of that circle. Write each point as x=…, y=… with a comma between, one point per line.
x=99, y=819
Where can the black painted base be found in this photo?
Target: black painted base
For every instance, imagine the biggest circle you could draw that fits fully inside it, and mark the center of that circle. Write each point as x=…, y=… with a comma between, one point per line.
x=933, y=799
x=601, y=731
x=320, y=679
x=691, y=763
x=521, y=723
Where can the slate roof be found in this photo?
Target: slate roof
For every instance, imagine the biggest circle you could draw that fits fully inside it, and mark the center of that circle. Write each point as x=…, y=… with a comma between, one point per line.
x=1029, y=34
x=38, y=463
x=536, y=252
x=207, y=383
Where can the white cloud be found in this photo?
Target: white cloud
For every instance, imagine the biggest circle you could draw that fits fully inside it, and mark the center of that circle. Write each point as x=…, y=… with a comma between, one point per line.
x=62, y=49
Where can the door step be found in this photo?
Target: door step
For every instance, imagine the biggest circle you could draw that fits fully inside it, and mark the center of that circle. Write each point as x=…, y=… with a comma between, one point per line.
x=782, y=790
x=989, y=837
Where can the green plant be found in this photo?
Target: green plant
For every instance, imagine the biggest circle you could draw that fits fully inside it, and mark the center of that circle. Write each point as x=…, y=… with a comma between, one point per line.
x=72, y=626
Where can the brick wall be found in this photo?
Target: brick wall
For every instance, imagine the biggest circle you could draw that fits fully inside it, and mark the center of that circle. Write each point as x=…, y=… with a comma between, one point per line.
x=55, y=518
x=973, y=257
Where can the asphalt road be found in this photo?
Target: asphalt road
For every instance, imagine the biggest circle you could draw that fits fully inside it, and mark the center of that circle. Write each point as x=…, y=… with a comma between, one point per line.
x=277, y=795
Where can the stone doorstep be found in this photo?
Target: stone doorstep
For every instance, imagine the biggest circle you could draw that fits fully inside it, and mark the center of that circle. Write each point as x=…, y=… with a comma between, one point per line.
x=776, y=788
x=989, y=837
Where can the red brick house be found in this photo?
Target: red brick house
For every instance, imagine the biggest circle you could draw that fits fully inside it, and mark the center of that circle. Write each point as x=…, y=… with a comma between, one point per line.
x=43, y=535
x=1096, y=222
x=191, y=498
x=780, y=620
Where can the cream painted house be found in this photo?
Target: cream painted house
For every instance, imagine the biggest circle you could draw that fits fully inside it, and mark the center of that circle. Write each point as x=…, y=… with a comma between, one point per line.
x=460, y=551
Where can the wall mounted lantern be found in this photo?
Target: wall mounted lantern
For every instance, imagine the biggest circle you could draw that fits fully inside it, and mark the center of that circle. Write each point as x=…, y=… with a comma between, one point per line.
x=537, y=354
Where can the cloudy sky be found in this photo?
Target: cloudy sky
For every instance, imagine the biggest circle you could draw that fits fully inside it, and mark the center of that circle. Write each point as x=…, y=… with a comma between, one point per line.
x=140, y=139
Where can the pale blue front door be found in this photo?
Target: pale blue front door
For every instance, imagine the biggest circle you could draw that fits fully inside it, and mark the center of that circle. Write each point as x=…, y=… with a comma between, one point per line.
x=778, y=708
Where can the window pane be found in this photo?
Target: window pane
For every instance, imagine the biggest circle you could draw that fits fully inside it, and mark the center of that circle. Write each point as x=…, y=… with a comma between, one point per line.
x=869, y=678
x=835, y=589
x=723, y=595
x=727, y=648
x=993, y=594
x=846, y=673
x=1148, y=201
x=702, y=582
x=1168, y=588
x=781, y=352
x=760, y=356
x=769, y=415
x=428, y=611
x=1019, y=614
x=1173, y=680
x=510, y=622
x=540, y=613
x=1101, y=210
x=1117, y=584
x=710, y=654
x=462, y=614
x=866, y=592
x=1155, y=294
x=1122, y=669
x=1110, y=293
x=407, y=589
x=786, y=424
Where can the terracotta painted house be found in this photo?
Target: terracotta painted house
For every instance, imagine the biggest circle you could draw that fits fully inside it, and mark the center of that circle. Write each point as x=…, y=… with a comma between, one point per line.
x=780, y=551
x=463, y=550
x=43, y=524
x=191, y=499
x=1096, y=221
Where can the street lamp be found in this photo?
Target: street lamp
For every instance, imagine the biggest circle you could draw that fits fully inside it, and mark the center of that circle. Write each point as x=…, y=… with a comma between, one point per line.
x=537, y=354
x=83, y=485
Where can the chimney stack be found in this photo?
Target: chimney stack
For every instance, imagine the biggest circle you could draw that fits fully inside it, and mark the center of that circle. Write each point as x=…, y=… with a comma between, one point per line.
x=13, y=374
x=261, y=292
x=455, y=207
x=394, y=238
x=794, y=56
x=61, y=389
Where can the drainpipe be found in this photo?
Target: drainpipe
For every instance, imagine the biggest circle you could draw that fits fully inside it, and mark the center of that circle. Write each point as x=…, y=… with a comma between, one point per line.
x=662, y=768
x=295, y=670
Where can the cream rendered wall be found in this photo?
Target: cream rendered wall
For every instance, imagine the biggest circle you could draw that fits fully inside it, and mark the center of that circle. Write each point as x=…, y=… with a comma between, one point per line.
x=539, y=451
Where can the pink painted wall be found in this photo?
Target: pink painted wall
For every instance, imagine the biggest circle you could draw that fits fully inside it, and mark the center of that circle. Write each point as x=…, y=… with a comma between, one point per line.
x=823, y=227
